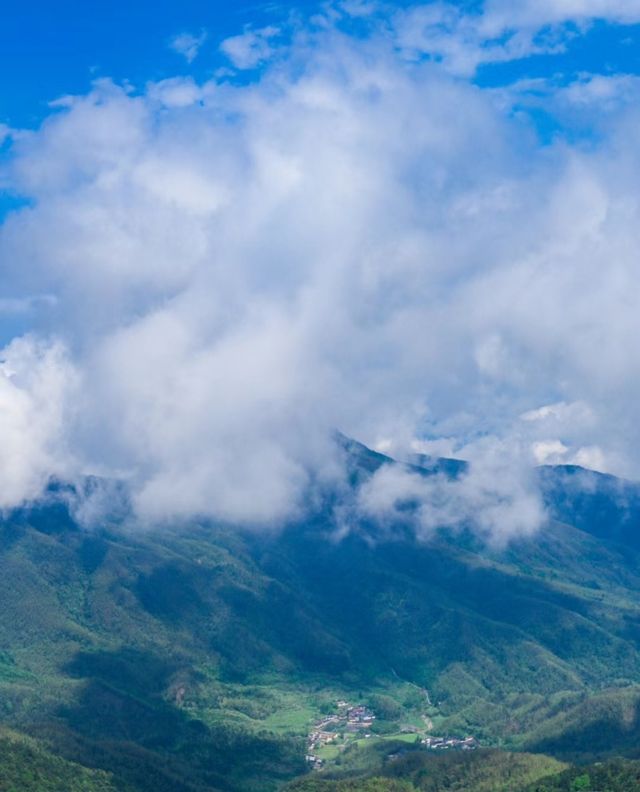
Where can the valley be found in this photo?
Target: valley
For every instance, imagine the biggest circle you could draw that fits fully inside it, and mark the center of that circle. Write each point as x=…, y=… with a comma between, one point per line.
x=201, y=657
x=319, y=372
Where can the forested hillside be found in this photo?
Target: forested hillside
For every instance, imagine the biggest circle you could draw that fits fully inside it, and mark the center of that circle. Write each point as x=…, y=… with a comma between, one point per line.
x=199, y=656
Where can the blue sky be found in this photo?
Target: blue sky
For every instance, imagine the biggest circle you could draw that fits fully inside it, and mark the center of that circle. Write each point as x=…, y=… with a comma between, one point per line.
x=604, y=48
x=249, y=224
x=50, y=49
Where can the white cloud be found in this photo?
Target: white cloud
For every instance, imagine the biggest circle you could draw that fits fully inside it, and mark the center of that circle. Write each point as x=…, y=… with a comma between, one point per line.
x=458, y=40
x=188, y=44
x=560, y=414
x=359, y=8
x=496, y=497
x=177, y=92
x=605, y=92
x=351, y=240
x=555, y=452
x=37, y=383
x=502, y=15
x=549, y=452
x=250, y=48
x=591, y=457
x=501, y=30
x=440, y=447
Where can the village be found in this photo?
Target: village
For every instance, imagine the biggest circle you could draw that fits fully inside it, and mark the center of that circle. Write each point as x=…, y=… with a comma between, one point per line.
x=353, y=719
x=353, y=722
x=444, y=743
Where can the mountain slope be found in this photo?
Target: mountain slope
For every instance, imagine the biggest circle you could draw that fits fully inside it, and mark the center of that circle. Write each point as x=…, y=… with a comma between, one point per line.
x=197, y=657
x=25, y=766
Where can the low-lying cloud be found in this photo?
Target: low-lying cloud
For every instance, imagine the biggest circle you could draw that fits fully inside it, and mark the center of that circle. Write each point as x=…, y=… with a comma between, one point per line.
x=354, y=239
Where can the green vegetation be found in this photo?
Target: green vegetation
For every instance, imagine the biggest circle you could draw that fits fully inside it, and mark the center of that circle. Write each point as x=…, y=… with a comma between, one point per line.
x=26, y=766
x=422, y=771
x=615, y=776
x=360, y=785
x=198, y=658
x=481, y=771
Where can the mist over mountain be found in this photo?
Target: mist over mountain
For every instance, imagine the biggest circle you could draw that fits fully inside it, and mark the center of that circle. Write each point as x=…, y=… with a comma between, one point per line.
x=197, y=656
x=350, y=223
x=319, y=417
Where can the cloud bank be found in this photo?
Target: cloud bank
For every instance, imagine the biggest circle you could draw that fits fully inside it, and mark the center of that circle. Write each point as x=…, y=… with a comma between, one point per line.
x=357, y=238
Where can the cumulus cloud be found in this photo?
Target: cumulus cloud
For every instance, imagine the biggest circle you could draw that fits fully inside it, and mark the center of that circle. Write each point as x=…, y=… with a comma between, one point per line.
x=251, y=48
x=549, y=452
x=497, y=497
x=37, y=383
x=499, y=30
x=608, y=92
x=352, y=239
x=188, y=44
x=500, y=15
x=574, y=422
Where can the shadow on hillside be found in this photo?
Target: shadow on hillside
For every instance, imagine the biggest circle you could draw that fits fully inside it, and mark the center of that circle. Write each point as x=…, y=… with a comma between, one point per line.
x=123, y=722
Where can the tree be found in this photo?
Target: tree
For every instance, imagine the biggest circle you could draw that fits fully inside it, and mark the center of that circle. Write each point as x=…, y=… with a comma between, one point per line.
x=582, y=782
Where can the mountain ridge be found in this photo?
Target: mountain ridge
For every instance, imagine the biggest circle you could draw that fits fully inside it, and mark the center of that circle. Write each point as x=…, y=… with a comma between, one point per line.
x=204, y=652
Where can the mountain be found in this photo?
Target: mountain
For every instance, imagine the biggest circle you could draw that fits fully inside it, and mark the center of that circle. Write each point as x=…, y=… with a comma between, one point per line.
x=198, y=656
x=602, y=505
x=26, y=767
x=483, y=771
